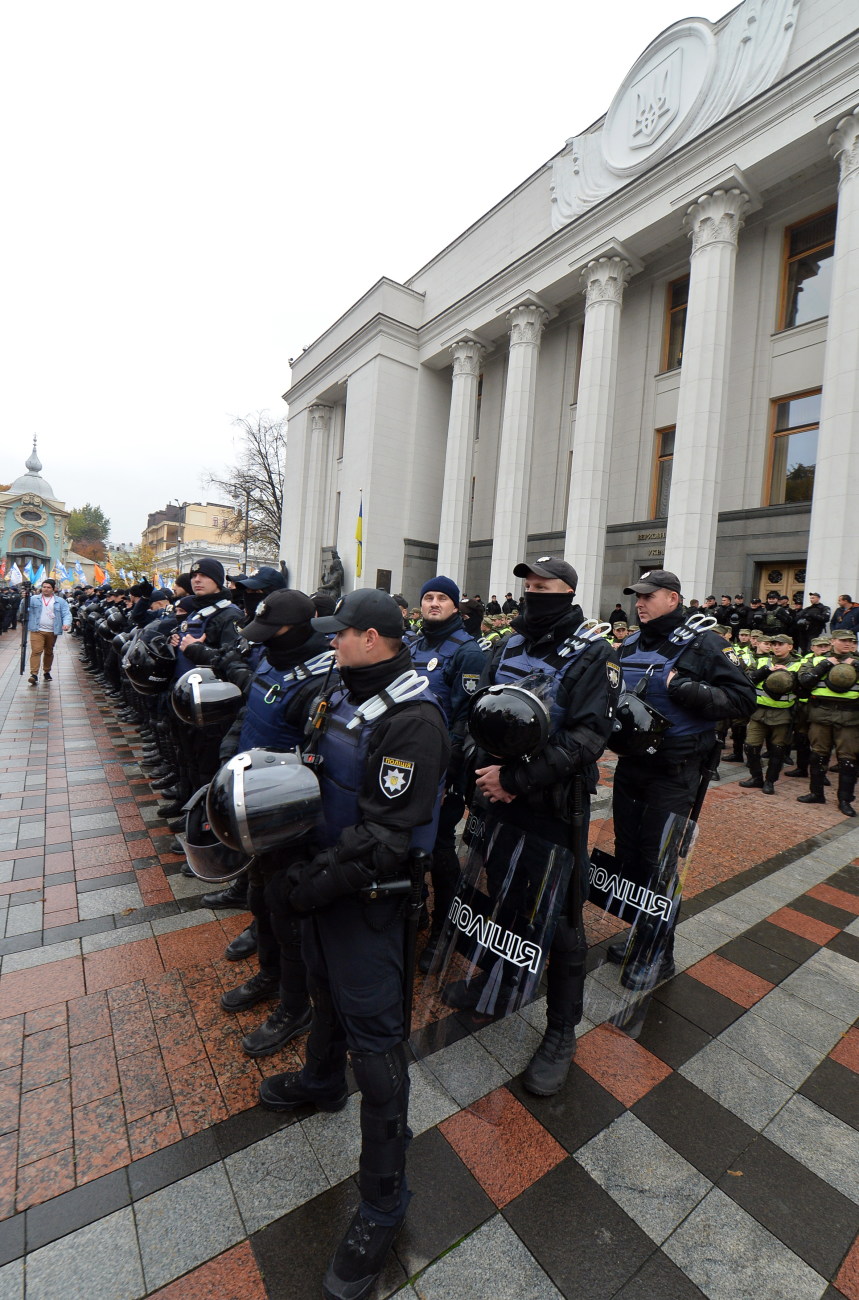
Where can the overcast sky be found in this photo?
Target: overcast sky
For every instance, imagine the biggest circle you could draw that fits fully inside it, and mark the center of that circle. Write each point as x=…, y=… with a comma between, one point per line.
x=194, y=191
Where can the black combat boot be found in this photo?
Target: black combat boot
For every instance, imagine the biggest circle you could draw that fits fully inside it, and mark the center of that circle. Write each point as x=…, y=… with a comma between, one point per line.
x=235, y=895
x=738, y=735
x=244, y=945
x=846, y=786
x=275, y=1032
x=322, y=1082
x=259, y=988
x=803, y=753
x=816, y=781
x=548, y=1068
x=773, y=769
x=755, y=780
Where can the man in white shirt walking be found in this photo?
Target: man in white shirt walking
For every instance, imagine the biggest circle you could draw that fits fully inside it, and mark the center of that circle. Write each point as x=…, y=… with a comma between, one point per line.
x=50, y=616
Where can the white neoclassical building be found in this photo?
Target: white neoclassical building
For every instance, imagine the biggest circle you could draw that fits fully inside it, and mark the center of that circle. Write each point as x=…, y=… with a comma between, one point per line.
x=646, y=355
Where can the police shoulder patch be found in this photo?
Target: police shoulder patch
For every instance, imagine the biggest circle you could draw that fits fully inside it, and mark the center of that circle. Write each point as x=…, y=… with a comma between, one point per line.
x=395, y=776
x=730, y=653
x=469, y=682
x=612, y=672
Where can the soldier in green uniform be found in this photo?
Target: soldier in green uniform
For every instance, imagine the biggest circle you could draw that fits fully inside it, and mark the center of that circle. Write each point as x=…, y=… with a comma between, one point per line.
x=832, y=682
x=819, y=648
x=774, y=679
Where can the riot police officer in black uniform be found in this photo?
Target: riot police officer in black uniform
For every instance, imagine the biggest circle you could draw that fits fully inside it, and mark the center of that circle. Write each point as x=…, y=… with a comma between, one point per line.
x=295, y=663
x=384, y=752
x=535, y=794
x=215, y=619
x=453, y=662
x=694, y=683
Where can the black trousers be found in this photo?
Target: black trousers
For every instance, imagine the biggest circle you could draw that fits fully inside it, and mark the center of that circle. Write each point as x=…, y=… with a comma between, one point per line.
x=647, y=792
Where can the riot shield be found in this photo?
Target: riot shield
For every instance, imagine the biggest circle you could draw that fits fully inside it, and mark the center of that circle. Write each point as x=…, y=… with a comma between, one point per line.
x=499, y=928
x=636, y=875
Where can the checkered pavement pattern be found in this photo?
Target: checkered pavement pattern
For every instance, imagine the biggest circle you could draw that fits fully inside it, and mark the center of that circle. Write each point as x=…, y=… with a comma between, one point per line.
x=710, y=1150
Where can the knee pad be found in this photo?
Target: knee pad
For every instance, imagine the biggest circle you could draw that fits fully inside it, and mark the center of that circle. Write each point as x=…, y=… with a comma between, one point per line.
x=381, y=1076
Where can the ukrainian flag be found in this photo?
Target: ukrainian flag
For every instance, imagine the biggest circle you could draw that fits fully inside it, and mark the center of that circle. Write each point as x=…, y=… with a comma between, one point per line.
x=359, y=538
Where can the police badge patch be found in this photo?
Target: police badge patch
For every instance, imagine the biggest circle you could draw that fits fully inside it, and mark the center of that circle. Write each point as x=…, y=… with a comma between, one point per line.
x=731, y=654
x=469, y=682
x=612, y=672
x=395, y=776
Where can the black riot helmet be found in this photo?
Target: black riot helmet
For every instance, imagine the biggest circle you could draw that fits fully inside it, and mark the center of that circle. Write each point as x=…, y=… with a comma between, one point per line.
x=508, y=721
x=208, y=858
x=638, y=727
x=120, y=640
x=115, y=618
x=104, y=630
x=200, y=698
x=261, y=800
x=149, y=665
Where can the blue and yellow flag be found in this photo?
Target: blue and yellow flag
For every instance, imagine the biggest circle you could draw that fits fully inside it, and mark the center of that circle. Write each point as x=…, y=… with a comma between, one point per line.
x=40, y=576
x=28, y=570
x=359, y=538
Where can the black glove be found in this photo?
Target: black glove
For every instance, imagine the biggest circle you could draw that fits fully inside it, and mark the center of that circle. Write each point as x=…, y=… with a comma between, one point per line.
x=326, y=879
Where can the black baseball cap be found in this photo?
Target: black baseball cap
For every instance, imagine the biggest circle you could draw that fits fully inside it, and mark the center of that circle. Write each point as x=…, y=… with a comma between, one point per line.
x=279, y=609
x=654, y=580
x=265, y=579
x=362, y=610
x=549, y=566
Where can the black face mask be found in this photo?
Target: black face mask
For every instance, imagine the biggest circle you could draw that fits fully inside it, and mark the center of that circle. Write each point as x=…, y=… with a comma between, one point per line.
x=290, y=640
x=541, y=610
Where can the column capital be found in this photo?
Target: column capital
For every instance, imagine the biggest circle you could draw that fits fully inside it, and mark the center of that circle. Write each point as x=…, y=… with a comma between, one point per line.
x=467, y=355
x=526, y=323
x=844, y=144
x=716, y=218
x=319, y=417
x=605, y=279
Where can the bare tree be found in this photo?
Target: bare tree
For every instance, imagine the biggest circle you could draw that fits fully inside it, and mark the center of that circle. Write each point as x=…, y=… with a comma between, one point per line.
x=254, y=485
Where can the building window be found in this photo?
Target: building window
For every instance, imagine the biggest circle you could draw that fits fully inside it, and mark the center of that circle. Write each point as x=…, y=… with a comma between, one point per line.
x=808, y=270
x=29, y=542
x=675, y=322
x=662, y=472
x=793, y=451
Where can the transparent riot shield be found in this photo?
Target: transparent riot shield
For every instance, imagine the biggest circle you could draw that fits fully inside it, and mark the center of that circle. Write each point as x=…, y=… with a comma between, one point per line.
x=636, y=875
x=499, y=928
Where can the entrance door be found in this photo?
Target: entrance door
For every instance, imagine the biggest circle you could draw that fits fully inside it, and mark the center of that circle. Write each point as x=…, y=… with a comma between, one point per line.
x=787, y=577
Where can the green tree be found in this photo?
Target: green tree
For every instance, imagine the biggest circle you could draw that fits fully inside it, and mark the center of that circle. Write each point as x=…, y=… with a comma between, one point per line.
x=88, y=523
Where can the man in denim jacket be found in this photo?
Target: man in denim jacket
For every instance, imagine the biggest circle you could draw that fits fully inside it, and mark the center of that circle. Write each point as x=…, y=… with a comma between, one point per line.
x=49, y=618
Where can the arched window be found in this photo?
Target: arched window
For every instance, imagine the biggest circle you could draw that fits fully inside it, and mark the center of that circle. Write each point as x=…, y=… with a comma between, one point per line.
x=29, y=542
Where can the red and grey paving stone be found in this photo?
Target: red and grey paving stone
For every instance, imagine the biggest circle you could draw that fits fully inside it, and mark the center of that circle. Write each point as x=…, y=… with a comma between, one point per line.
x=708, y=1147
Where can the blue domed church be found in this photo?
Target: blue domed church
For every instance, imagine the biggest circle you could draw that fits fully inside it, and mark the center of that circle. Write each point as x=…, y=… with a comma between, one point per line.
x=32, y=520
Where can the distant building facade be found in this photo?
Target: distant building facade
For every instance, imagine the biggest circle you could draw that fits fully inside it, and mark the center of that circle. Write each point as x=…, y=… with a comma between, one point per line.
x=32, y=520
x=179, y=535
x=645, y=355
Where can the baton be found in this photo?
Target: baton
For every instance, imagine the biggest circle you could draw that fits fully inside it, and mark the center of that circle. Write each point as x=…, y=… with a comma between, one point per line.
x=25, y=627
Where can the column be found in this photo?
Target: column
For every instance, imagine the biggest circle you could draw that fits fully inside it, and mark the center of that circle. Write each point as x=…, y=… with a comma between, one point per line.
x=318, y=423
x=713, y=224
x=513, y=476
x=467, y=354
x=603, y=283
x=833, y=544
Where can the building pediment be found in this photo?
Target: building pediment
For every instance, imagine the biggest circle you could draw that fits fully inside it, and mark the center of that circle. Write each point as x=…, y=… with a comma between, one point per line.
x=690, y=77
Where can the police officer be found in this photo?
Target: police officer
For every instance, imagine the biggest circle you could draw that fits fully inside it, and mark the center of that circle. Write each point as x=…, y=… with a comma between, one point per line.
x=215, y=620
x=812, y=620
x=381, y=756
x=693, y=682
x=452, y=661
x=279, y=696
x=772, y=617
x=832, y=683
x=774, y=679
x=536, y=795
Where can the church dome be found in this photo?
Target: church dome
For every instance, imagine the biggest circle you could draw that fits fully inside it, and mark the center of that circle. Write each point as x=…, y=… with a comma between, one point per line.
x=32, y=481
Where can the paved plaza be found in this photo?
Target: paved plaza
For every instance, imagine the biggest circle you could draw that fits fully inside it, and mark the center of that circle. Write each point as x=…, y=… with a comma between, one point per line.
x=712, y=1151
